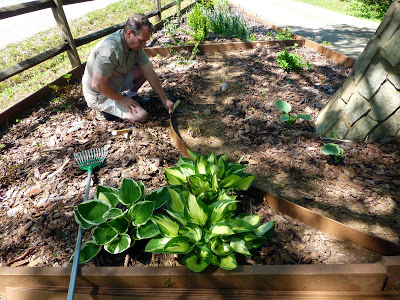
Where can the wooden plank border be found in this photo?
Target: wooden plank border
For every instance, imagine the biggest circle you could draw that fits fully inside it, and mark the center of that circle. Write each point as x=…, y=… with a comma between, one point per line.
x=350, y=278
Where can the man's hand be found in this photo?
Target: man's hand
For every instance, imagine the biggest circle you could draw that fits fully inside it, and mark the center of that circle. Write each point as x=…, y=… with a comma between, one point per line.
x=169, y=106
x=130, y=104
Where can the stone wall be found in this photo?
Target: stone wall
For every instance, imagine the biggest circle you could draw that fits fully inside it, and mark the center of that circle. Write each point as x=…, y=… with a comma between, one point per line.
x=367, y=106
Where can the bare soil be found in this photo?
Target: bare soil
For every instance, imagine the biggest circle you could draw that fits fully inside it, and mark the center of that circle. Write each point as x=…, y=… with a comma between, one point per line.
x=41, y=183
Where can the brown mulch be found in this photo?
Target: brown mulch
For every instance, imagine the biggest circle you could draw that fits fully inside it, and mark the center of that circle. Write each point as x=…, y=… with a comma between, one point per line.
x=41, y=183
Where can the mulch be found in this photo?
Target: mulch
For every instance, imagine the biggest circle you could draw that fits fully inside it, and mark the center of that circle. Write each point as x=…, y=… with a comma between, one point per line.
x=41, y=183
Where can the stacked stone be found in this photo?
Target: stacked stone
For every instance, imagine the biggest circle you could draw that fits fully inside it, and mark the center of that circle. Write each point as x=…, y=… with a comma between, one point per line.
x=367, y=106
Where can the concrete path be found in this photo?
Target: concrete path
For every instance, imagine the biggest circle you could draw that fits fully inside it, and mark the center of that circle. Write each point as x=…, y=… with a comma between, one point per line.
x=21, y=27
x=348, y=35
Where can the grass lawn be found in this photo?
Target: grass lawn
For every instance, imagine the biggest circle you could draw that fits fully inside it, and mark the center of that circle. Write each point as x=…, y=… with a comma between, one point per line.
x=355, y=8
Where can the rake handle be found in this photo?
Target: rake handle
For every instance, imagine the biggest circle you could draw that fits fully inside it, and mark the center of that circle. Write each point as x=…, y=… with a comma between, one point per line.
x=74, y=273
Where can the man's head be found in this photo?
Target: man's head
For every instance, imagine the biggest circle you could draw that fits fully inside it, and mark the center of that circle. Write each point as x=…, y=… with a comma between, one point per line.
x=137, y=31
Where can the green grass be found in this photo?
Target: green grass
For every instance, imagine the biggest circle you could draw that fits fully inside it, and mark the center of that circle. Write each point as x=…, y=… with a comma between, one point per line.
x=355, y=8
x=26, y=83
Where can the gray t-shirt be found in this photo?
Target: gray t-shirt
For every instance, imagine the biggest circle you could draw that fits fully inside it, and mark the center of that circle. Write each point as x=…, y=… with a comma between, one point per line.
x=113, y=59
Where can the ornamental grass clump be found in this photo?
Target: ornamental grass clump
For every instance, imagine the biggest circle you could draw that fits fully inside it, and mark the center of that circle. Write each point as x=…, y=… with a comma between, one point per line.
x=223, y=22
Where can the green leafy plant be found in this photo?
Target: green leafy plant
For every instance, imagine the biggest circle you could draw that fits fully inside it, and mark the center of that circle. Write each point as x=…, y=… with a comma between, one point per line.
x=202, y=224
x=199, y=23
x=208, y=177
x=207, y=234
x=194, y=52
x=62, y=95
x=287, y=118
x=170, y=27
x=284, y=34
x=207, y=4
x=370, y=9
x=292, y=62
x=182, y=59
x=333, y=150
x=195, y=128
x=199, y=222
x=119, y=217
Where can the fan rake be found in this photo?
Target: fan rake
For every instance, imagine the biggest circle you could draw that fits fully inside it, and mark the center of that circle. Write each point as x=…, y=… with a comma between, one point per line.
x=87, y=160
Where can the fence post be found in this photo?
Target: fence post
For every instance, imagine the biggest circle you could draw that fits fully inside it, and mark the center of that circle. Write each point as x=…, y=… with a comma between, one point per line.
x=65, y=32
x=158, y=8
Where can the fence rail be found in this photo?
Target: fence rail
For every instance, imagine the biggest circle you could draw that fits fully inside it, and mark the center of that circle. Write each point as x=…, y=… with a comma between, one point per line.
x=70, y=44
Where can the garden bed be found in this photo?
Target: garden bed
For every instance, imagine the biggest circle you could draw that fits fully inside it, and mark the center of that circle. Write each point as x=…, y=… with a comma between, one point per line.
x=42, y=184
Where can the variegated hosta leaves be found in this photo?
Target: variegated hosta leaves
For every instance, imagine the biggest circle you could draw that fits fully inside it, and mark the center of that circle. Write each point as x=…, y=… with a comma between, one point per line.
x=117, y=228
x=207, y=177
x=199, y=220
x=207, y=233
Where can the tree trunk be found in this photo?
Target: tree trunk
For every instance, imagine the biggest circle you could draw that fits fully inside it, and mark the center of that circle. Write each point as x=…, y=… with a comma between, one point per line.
x=367, y=106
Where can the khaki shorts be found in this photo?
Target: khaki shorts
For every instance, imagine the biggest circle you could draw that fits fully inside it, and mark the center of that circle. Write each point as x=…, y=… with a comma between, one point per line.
x=99, y=102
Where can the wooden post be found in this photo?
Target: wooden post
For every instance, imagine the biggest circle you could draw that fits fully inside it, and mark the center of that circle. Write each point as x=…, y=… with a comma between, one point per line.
x=158, y=8
x=65, y=32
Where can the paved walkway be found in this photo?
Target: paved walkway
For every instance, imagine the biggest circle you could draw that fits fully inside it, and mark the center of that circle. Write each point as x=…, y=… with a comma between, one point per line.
x=348, y=35
x=24, y=26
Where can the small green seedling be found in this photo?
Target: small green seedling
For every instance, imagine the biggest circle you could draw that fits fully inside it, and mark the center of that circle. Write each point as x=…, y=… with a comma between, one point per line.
x=334, y=150
x=284, y=34
x=292, y=62
x=287, y=118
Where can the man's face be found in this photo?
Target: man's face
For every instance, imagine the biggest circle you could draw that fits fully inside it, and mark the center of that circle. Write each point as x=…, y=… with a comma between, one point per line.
x=135, y=42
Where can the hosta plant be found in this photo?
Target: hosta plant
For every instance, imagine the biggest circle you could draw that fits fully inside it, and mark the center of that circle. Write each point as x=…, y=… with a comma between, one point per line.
x=287, y=118
x=207, y=234
x=208, y=177
x=333, y=150
x=119, y=217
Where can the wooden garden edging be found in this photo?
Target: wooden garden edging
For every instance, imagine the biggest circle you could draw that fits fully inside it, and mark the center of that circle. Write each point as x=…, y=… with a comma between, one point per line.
x=361, y=281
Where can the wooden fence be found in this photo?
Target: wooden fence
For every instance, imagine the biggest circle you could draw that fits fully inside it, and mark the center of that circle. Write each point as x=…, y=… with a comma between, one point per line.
x=71, y=44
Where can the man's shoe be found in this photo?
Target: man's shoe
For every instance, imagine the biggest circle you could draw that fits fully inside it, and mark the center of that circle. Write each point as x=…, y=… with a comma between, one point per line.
x=101, y=116
x=140, y=99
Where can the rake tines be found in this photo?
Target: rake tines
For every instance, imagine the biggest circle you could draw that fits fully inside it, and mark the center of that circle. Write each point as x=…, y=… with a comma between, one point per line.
x=91, y=158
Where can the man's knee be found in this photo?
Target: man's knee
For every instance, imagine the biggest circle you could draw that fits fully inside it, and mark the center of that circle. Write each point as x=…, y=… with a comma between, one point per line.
x=140, y=116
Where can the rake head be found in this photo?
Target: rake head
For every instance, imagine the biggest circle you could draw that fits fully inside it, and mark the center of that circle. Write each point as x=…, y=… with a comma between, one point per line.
x=90, y=159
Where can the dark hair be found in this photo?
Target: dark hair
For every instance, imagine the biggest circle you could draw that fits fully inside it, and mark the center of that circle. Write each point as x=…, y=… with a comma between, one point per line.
x=136, y=22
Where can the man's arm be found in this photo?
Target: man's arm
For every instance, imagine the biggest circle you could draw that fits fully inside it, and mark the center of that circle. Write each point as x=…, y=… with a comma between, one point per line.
x=155, y=83
x=100, y=84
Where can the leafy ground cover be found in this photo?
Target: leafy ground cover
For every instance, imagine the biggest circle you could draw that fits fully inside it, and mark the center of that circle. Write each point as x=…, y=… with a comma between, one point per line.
x=42, y=184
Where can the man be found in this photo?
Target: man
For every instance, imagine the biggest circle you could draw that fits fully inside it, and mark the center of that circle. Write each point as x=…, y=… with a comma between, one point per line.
x=118, y=64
